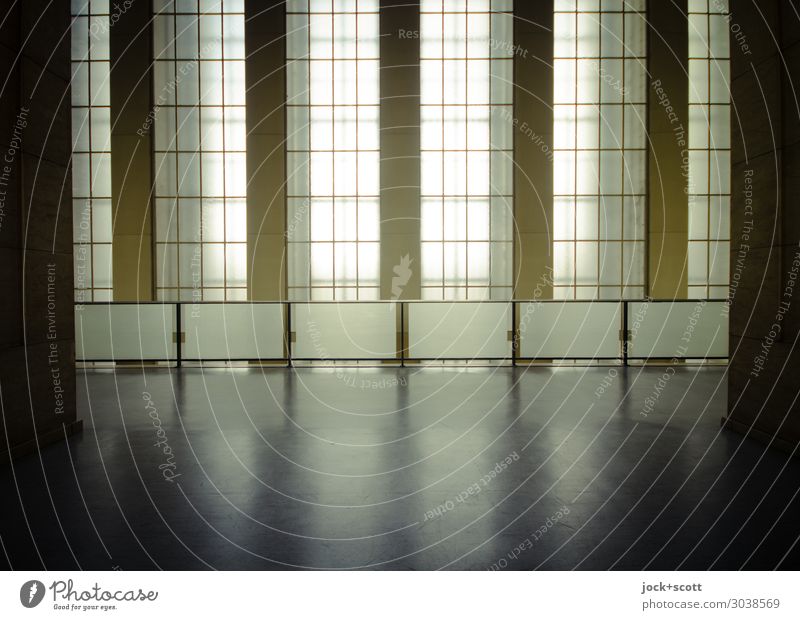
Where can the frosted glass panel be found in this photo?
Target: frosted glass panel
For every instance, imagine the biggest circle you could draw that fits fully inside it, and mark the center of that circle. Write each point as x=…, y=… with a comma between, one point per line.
x=200, y=149
x=709, y=144
x=345, y=331
x=125, y=332
x=459, y=330
x=569, y=330
x=683, y=329
x=600, y=89
x=333, y=141
x=233, y=331
x=91, y=151
x=466, y=138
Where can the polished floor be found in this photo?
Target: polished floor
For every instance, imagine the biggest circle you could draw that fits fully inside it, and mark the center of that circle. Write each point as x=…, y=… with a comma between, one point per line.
x=568, y=468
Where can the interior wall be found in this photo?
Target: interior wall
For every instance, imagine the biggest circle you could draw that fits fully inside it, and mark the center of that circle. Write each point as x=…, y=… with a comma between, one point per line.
x=533, y=149
x=132, y=103
x=132, y=114
x=400, y=144
x=37, y=349
x=765, y=222
x=265, y=74
x=668, y=116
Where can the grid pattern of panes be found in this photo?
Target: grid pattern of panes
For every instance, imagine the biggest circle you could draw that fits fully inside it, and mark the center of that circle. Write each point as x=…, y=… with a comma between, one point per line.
x=600, y=157
x=709, y=149
x=333, y=149
x=91, y=151
x=466, y=214
x=200, y=143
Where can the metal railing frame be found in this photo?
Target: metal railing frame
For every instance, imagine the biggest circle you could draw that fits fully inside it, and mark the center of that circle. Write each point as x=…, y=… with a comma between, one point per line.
x=402, y=358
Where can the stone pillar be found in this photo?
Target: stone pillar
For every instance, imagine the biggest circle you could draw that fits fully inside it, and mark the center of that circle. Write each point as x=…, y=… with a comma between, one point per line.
x=400, y=143
x=265, y=45
x=764, y=383
x=37, y=332
x=132, y=153
x=668, y=113
x=533, y=149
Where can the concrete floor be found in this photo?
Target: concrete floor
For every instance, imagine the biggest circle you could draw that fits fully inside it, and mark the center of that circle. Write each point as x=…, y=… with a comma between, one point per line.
x=402, y=469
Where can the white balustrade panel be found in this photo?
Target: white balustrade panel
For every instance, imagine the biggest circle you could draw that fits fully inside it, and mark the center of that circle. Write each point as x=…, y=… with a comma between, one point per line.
x=233, y=331
x=556, y=330
x=684, y=329
x=343, y=331
x=459, y=330
x=125, y=332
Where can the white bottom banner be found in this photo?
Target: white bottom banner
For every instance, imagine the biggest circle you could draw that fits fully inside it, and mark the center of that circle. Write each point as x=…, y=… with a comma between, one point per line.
x=389, y=595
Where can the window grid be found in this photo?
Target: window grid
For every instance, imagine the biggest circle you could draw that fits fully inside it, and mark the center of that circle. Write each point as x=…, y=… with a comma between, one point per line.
x=709, y=149
x=600, y=155
x=333, y=150
x=200, y=150
x=466, y=211
x=91, y=152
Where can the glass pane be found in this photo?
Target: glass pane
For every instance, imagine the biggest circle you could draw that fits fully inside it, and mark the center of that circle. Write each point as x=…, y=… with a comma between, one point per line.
x=298, y=267
x=720, y=172
x=345, y=331
x=210, y=92
x=188, y=132
x=236, y=264
x=79, y=49
x=188, y=83
x=166, y=214
x=207, y=131
x=213, y=174
x=167, y=265
x=235, y=174
x=166, y=178
x=577, y=330
x=80, y=129
x=190, y=266
x=564, y=44
x=234, y=83
x=140, y=332
x=297, y=33
x=659, y=331
x=188, y=174
x=189, y=222
x=102, y=224
x=234, y=331
x=100, y=84
x=236, y=219
x=233, y=36
x=720, y=127
x=461, y=331
x=297, y=82
x=186, y=36
x=214, y=265
x=101, y=174
x=698, y=218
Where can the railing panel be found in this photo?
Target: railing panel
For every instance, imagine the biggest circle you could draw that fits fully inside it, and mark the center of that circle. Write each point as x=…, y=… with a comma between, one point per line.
x=682, y=329
x=570, y=330
x=125, y=332
x=373, y=330
x=345, y=331
x=233, y=331
x=459, y=330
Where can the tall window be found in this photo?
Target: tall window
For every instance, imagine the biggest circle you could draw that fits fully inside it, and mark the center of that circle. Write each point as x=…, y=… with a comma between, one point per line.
x=599, y=149
x=709, y=149
x=333, y=149
x=91, y=152
x=200, y=142
x=466, y=93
